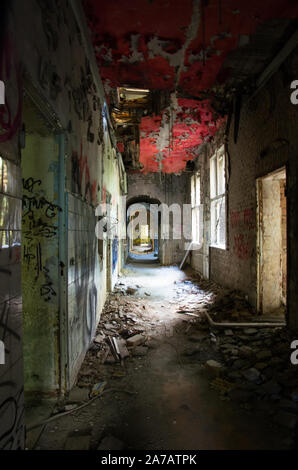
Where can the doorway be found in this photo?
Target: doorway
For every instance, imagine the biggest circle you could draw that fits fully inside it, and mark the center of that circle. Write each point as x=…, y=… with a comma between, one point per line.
x=41, y=273
x=143, y=229
x=272, y=243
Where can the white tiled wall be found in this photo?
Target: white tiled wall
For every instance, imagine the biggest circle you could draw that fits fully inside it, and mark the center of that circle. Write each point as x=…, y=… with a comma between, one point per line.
x=86, y=282
x=11, y=373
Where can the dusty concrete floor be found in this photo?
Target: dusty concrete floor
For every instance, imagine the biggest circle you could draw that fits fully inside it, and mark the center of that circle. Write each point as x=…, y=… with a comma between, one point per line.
x=171, y=404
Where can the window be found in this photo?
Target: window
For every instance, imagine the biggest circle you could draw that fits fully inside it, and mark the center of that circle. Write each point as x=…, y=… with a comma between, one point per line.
x=195, y=207
x=218, y=199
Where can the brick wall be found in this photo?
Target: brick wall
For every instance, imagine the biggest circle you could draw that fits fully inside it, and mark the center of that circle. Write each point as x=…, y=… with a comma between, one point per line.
x=167, y=189
x=267, y=141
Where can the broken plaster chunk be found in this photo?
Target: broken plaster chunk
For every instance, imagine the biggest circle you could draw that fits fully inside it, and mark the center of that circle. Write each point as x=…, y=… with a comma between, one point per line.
x=70, y=407
x=98, y=389
x=251, y=374
x=214, y=368
x=135, y=340
x=250, y=331
x=229, y=333
x=131, y=290
x=245, y=351
x=99, y=338
x=123, y=351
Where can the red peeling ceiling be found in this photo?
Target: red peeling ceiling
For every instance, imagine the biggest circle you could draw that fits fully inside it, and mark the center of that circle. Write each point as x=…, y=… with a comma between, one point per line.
x=167, y=148
x=178, y=46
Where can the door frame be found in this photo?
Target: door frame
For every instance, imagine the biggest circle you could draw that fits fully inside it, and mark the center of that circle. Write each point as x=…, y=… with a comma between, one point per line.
x=45, y=108
x=259, y=241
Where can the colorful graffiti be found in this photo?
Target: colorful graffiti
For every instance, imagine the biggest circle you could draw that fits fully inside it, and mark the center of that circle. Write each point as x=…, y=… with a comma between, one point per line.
x=245, y=218
x=241, y=246
x=115, y=253
x=243, y=222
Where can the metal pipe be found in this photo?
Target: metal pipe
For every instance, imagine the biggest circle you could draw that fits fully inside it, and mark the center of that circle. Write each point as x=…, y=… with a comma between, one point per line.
x=243, y=325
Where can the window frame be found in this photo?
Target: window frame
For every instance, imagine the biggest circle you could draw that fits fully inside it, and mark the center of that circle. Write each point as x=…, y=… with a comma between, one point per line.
x=196, y=206
x=217, y=197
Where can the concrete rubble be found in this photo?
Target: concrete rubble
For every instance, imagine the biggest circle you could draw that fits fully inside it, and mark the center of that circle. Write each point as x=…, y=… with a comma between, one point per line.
x=249, y=367
x=254, y=361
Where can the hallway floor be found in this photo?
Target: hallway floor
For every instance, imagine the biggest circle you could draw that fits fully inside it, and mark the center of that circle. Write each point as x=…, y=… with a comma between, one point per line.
x=161, y=396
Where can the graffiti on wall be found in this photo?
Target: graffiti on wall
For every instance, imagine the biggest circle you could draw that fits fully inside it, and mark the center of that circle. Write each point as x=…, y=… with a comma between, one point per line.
x=81, y=180
x=243, y=222
x=11, y=414
x=39, y=223
x=11, y=408
x=82, y=271
x=241, y=246
x=115, y=252
x=245, y=218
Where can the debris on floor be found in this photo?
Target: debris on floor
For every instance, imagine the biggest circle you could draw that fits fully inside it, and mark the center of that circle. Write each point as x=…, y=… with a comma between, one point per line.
x=97, y=389
x=246, y=367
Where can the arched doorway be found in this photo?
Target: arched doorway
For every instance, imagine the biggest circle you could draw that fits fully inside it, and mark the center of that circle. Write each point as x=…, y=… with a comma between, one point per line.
x=143, y=229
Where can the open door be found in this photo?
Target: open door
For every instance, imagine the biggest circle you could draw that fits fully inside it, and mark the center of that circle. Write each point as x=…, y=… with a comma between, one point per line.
x=272, y=243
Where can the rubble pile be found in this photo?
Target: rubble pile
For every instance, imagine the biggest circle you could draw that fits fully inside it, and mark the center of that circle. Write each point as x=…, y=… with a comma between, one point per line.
x=258, y=361
x=230, y=306
x=121, y=333
x=249, y=366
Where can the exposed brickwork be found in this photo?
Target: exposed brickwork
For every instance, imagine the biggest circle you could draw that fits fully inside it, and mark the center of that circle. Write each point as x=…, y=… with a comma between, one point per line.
x=267, y=141
x=167, y=189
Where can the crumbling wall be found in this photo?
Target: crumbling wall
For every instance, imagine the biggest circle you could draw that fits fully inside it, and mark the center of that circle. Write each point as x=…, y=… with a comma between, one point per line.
x=266, y=141
x=44, y=51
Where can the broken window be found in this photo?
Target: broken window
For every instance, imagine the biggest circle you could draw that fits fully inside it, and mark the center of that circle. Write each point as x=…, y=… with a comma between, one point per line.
x=218, y=199
x=195, y=206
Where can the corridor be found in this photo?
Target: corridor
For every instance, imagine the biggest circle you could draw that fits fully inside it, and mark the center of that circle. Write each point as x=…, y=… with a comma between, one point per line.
x=148, y=226
x=160, y=395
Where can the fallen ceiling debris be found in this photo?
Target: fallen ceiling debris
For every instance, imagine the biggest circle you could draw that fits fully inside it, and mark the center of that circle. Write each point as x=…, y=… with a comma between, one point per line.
x=172, y=56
